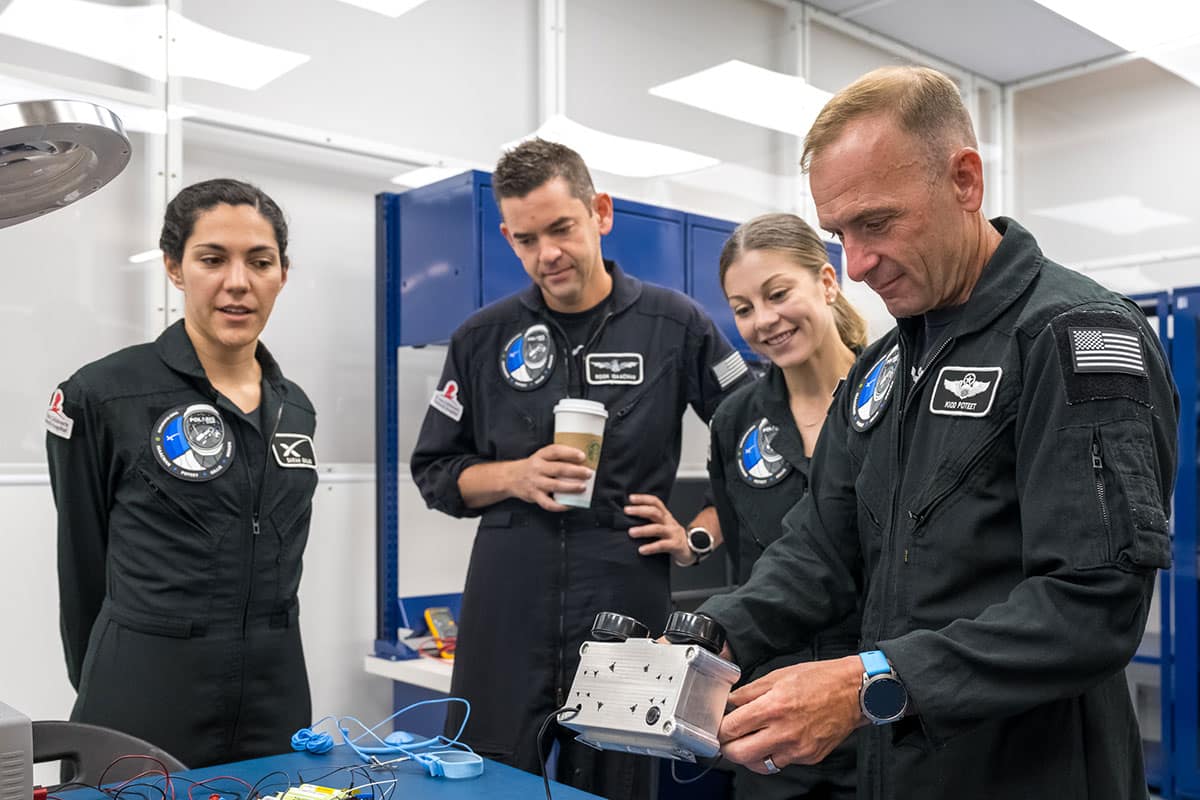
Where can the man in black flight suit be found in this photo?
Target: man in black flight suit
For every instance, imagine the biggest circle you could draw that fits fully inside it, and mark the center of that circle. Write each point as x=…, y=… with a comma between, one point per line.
x=992, y=485
x=540, y=572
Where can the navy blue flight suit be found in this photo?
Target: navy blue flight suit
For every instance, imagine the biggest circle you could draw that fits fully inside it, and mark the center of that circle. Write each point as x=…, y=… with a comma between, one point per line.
x=1001, y=505
x=181, y=526
x=537, y=579
x=759, y=471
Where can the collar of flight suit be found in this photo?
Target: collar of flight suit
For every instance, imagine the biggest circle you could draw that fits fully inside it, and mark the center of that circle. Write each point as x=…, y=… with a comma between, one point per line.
x=771, y=401
x=1007, y=274
x=625, y=291
x=177, y=352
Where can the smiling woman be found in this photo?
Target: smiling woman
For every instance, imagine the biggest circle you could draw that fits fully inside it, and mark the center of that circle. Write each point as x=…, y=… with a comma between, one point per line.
x=183, y=471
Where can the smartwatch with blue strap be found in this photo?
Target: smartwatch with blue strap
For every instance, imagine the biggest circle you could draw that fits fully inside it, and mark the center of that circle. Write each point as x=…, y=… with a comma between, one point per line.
x=882, y=697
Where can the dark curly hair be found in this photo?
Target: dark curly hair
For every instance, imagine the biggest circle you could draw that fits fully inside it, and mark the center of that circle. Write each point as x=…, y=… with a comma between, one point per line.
x=182, y=211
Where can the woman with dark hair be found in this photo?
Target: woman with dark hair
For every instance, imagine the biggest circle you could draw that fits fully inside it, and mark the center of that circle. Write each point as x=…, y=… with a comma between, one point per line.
x=183, y=471
x=789, y=308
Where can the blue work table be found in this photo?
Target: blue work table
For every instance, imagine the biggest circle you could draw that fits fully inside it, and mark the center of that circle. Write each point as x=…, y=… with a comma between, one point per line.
x=498, y=781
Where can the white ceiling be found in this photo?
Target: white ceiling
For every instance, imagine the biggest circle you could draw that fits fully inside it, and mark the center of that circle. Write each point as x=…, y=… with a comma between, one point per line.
x=1004, y=40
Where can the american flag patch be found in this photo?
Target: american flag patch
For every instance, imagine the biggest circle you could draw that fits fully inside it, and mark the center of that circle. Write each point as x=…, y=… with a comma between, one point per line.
x=1107, y=350
x=729, y=369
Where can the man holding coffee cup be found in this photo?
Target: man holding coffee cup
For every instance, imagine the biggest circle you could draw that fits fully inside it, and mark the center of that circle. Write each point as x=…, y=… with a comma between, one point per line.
x=558, y=422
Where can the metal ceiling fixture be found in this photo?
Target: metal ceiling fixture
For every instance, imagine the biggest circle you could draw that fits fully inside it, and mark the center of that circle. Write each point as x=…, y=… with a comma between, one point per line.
x=53, y=152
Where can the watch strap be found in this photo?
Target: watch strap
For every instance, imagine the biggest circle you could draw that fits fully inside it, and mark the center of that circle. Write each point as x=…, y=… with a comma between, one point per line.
x=875, y=663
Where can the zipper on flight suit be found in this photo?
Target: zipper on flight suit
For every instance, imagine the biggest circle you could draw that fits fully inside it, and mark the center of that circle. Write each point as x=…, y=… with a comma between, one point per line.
x=575, y=360
x=1101, y=490
x=907, y=393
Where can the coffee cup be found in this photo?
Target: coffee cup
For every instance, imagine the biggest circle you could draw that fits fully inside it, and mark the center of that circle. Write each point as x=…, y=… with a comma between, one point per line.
x=580, y=424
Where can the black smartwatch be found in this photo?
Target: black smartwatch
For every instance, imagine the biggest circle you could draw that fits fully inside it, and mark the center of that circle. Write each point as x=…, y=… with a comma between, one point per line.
x=882, y=698
x=700, y=542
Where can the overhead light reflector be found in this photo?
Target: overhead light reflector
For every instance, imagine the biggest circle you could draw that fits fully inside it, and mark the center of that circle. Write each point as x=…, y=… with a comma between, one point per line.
x=747, y=93
x=620, y=155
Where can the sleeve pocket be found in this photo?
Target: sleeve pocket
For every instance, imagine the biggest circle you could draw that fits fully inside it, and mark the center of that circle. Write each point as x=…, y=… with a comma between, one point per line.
x=1149, y=543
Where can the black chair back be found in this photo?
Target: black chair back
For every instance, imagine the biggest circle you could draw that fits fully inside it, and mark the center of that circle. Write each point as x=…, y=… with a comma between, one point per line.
x=86, y=751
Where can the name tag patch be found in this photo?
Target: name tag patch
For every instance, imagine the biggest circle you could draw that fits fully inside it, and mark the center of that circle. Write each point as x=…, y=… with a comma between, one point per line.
x=614, y=368
x=965, y=391
x=294, y=450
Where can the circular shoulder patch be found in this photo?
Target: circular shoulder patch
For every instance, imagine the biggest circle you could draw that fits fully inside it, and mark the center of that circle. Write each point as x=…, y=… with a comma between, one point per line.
x=757, y=462
x=192, y=442
x=527, y=360
x=873, y=392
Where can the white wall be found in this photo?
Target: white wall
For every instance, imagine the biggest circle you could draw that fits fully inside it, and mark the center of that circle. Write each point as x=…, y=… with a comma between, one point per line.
x=1123, y=132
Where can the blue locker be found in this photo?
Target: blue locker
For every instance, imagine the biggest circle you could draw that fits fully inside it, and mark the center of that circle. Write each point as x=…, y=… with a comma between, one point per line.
x=439, y=257
x=706, y=237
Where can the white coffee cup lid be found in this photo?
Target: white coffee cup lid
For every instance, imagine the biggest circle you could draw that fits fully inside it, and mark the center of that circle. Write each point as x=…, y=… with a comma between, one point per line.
x=569, y=404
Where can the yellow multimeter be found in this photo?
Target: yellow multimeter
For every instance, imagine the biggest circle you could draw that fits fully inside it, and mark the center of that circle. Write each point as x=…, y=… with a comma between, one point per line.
x=443, y=628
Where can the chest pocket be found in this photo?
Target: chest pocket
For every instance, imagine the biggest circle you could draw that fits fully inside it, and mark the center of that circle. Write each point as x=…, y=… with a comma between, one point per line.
x=960, y=455
x=635, y=402
x=192, y=516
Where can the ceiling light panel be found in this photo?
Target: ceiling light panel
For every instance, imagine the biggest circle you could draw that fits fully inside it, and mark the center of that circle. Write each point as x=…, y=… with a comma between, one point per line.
x=130, y=37
x=1135, y=27
x=389, y=8
x=744, y=92
x=620, y=155
x=423, y=176
x=1123, y=215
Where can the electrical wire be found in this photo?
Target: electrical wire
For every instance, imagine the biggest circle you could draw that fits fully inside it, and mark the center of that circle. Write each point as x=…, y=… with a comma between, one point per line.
x=251, y=795
x=715, y=760
x=574, y=711
x=162, y=768
x=207, y=781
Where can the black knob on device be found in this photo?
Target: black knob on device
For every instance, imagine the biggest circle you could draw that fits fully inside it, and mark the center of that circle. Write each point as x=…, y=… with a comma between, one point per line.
x=687, y=628
x=613, y=627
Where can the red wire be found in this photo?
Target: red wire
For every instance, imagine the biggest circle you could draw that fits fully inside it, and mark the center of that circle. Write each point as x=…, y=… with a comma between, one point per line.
x=217, y=778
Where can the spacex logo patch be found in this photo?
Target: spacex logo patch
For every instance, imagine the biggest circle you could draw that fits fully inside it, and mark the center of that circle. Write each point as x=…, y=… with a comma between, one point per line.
x=294, y=450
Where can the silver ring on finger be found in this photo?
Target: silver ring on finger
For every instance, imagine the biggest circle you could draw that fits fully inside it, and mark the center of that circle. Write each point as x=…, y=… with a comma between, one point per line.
x=769, y=766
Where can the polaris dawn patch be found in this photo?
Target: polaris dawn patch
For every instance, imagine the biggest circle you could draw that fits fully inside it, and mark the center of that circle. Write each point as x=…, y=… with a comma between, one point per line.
x=614, y=368
x=294, y=451
x=527, y=360
x=192, y=442
x=965, y=391
x=873, y=392
x=757, y=462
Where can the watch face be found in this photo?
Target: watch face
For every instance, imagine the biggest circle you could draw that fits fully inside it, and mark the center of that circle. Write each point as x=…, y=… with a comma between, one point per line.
x=884, y=698
x=700, y=540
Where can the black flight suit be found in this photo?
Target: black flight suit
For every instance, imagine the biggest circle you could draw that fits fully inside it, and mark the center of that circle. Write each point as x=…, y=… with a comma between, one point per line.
x=537, y=579
x=178, y=584
x=759, y=472
x=1002, y=508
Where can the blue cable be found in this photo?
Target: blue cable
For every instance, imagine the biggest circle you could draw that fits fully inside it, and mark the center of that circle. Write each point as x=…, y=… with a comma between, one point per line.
x=453, y=763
